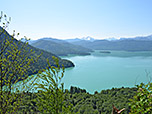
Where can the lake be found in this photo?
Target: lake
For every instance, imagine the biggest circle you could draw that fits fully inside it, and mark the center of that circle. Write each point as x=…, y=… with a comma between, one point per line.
x=100, y=71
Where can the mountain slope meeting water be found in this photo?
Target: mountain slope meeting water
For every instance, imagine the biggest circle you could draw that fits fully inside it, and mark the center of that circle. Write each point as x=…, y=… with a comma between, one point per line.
x=42, y=62
x=60, y=47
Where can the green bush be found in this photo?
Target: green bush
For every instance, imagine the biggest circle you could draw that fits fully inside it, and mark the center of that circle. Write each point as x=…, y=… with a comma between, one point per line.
x=142, y=101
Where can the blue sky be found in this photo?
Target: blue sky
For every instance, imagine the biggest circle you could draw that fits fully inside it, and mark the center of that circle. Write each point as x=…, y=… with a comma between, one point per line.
x=66, y=19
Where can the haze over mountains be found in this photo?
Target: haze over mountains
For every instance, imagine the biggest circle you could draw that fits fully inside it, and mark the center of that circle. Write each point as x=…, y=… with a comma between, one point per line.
x=88, y=38
x=143, y=43
x=85, y=45
x=60, y=47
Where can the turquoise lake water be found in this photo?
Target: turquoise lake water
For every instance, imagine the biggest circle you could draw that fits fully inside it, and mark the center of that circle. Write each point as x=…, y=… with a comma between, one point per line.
x=100, y=71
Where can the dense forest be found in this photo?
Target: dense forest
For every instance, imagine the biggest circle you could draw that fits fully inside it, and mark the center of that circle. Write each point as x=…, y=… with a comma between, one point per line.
x=85, y=103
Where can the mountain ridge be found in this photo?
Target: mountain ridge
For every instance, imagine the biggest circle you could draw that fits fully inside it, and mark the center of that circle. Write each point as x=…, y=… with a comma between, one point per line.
x=143, y=43
x=139, y=43
x=42, y=62
x=60, y=47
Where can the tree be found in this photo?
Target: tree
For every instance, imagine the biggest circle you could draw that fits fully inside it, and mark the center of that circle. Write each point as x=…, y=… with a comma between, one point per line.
x=142, y=101
x=51, y=96
x=15, y=60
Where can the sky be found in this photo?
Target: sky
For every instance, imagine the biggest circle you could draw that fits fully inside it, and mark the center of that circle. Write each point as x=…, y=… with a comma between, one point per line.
x=66, y=19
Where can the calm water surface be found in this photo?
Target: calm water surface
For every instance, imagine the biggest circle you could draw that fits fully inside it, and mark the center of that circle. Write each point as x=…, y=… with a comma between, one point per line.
x=100, y=71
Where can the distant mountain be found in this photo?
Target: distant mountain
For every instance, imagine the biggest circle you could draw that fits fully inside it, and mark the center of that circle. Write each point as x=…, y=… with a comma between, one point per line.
x=126, y=44
x=82, y=46
x=88, y=38
x=60, y=47
x=143, y=38
x=50, y=39
x=41, y=63
x=73, y=40
x=111, y=39
x=29, y=41
x=147, y=38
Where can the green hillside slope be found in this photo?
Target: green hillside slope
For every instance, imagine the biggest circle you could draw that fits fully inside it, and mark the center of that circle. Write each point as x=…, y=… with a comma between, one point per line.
x=59, y=47
x=41, y=63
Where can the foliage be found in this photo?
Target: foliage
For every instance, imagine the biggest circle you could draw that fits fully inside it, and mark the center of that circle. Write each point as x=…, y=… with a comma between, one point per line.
x=18, y=60
x=83, y=102
x=51, y=97
x=41, y=62
x=101, y=103
x=142, y=101
x=15, y=60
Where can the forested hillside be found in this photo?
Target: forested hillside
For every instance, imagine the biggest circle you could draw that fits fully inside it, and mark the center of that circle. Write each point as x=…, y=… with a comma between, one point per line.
x=60, y=47
x=97, y=103
x=41, y=62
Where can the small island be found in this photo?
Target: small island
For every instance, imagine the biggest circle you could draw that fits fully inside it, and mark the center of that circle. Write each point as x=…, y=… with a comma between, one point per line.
x=105, y=52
